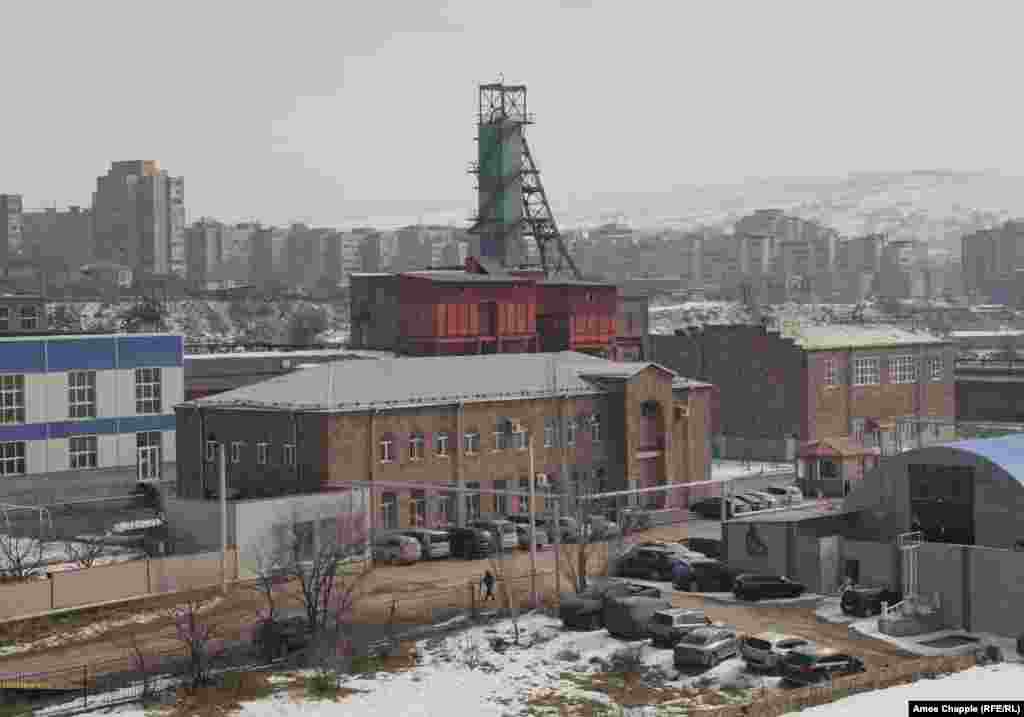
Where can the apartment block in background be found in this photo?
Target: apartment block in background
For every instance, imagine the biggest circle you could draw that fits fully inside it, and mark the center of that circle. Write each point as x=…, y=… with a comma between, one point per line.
x=139, y=219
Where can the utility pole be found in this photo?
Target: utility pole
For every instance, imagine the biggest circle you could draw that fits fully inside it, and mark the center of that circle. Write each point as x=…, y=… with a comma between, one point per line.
x=533, y=525
x=223, y=517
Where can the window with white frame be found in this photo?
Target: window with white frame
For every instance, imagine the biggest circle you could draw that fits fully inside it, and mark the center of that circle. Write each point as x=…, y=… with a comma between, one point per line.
x=288, y=454
x=501, y=430
x=236, y=451
x=387, y=449
x=441, y=444
x=524, y=500
x=12, y=398
x=211, y=451
x=5, y=318
x=472, y=442
x=865, y=372
x=82, y=394
x=935, y=372
x=389, y=511
x=595, y=428
x=519, y=437
x=261, y=453
x=550, y=426
x=82, y=452
x=29, y=317
x=857, y=429
x=147, y=390
x=570, y=432
x=418, y=509
x=416, y=447
x=12, y=458
x=148, y=447
x=472, y=500
x=634, y=498
x=500, y=500
x=831, y=374
x=902, y=369
x=444, y=509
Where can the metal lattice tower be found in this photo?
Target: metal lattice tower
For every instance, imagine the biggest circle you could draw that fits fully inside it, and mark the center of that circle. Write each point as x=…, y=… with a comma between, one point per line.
x=512, y=206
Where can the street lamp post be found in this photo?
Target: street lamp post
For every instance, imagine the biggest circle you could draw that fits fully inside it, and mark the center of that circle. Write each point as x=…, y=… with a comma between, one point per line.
x=533, y=525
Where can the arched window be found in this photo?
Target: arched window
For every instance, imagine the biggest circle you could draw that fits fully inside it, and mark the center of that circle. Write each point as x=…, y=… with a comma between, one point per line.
x=388, y=453
x=416, y=443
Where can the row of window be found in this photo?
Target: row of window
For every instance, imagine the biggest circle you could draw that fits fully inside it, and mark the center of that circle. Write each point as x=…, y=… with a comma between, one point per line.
x=515, y=439
x=867, y=371
x=905, y=432
x=27, y=318
x=262, y=453
x=444, y=503
x=83, y=453
x=81, y=394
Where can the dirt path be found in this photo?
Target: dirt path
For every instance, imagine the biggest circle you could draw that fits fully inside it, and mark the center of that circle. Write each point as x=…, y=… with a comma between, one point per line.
x=418, y=589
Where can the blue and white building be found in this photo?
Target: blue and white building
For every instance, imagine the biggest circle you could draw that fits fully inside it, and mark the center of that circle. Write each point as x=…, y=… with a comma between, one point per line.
x=85, y=402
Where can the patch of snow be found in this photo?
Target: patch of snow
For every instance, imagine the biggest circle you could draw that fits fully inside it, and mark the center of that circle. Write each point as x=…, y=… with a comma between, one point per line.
x=740, y=469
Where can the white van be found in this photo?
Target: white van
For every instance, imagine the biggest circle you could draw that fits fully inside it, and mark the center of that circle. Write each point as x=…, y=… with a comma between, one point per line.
x=434, y=543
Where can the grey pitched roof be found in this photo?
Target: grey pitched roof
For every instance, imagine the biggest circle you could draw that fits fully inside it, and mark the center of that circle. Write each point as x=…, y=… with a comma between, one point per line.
x=400, y=382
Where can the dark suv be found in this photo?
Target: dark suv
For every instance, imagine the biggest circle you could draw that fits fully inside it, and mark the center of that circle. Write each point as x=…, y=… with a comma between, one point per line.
x=810, y=665
x=706, y=575
x=867, y=601
x=756, y=587
x=649, y=564
x=469, y=543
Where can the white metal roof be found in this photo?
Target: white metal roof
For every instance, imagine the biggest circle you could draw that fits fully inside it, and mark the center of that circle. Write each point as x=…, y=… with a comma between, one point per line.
x=404, y=382
x=840, y=336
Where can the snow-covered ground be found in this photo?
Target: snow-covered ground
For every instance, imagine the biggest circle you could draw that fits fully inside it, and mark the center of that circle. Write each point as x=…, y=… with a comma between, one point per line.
x=461, y=675
x=723, y=470
x=56, y=556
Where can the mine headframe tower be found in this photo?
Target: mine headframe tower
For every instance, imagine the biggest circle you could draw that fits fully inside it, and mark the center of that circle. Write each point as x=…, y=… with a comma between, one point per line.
x=512, y=206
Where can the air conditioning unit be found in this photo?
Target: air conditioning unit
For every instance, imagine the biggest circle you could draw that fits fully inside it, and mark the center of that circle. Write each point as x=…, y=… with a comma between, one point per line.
x=682, y=412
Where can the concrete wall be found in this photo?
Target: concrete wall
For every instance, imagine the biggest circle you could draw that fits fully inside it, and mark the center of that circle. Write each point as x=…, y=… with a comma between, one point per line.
x=997, y=591
x=806, y=567
x=775, y=561
x=989, y=400
x=194, y=525
x=941, y=570
x=879, y=562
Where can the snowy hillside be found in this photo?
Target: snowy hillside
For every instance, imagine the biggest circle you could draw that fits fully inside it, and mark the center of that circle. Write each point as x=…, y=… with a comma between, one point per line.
x=205, y=320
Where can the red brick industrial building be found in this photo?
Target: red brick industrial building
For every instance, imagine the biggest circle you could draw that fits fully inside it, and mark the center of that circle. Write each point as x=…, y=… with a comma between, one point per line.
x=449, y=422
x=776, y=390
x=473, y=310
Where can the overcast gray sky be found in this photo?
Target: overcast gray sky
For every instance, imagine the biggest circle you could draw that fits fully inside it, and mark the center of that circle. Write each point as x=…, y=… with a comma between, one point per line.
x=328, y=110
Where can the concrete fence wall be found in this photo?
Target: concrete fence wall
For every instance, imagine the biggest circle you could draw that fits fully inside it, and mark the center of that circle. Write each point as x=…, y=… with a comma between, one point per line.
x=878, y=563
x=118, y=581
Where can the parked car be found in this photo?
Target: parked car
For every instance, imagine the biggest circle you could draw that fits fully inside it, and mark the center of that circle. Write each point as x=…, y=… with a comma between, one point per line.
x=706, y=646
x=279, y=637
x=706, y=546
x=585, y=610
x=649, y=563
x=711, y=508
x=766, y=650
x=772, y=501
x=396, y=548
x=756, y=587
x=789, y=494
x=810, y=665
x=753, y=501
x=707, y=575
x=599, y=529
x=628, y=618
x=470, y=543
x=540, y=536
x=867, y=601
x=503, y=533
x=567, y=530
x=434, y=543
x=667, y=627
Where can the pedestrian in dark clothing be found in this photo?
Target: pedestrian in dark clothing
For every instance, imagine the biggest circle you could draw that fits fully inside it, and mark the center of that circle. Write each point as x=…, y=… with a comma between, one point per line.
x=488, y=585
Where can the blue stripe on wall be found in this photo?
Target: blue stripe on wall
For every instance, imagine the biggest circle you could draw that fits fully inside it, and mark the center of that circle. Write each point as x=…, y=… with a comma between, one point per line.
x=96, y=353
x=139, y=351
x=22, y=357
x=96, y=427
x=26, y=432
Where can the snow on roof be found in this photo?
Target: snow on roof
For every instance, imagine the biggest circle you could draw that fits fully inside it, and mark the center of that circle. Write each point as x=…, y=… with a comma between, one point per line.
x=985, y=334
x=841, y=336
x=403, y=382
x=311, y=353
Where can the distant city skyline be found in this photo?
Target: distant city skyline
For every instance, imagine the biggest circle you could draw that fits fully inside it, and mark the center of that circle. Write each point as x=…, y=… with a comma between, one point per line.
x=343, y=111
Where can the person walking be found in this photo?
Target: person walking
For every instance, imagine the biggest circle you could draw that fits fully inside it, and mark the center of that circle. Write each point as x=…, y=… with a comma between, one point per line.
x=681, y=579
x=487, y=582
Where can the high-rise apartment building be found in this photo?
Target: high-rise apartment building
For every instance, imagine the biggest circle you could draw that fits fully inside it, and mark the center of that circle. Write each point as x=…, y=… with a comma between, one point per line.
x=10, y=228
x=58, y=240
x=992, y=261
x=139, y=218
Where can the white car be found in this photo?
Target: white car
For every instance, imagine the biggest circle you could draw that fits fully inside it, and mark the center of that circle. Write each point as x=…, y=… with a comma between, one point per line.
x=767, y=650
x=789, y=494
x=395, y=548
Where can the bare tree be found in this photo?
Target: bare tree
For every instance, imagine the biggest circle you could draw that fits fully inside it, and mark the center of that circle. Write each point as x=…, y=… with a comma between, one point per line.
x=84, y=553
x=197, y=635
x=21, y=556
x=142, y=662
